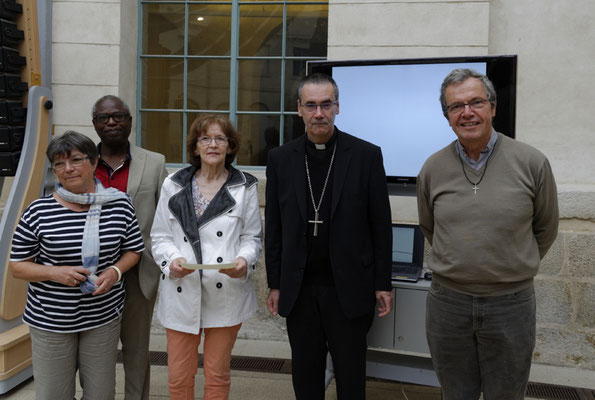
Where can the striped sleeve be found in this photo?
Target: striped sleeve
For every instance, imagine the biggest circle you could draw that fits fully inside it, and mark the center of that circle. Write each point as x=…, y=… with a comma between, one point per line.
x=24, y=243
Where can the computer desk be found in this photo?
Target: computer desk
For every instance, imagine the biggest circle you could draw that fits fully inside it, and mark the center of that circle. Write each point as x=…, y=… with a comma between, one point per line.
x=397, y=346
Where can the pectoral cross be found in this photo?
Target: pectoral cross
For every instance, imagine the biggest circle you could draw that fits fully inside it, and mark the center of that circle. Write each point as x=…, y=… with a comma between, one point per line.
x=475, y=188
x=315, y=221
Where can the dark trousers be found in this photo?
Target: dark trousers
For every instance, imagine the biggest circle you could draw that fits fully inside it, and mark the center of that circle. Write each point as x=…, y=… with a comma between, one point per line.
x=481, y=344
x=315, y=326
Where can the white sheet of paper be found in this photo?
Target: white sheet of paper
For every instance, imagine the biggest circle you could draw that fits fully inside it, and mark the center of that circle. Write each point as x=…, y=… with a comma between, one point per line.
x=208, y=266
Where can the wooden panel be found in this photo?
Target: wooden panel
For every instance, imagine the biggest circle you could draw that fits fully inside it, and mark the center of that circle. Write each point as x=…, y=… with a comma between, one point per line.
x=15, y=350
x=29, y=47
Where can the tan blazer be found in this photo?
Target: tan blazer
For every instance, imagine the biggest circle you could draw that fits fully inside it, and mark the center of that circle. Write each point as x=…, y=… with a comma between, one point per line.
x=146, y=175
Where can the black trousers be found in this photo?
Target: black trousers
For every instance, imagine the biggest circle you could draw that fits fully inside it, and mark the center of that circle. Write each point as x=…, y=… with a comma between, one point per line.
x=315, y=326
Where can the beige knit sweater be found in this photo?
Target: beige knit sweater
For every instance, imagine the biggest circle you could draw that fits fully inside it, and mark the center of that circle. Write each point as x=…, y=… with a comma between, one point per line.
x=489, y=243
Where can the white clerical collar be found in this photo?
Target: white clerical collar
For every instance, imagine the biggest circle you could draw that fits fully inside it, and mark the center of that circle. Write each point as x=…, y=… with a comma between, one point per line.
x=322, y=146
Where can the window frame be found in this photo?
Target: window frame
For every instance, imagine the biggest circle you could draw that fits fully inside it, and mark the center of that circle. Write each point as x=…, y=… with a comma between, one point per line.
x=234, y=59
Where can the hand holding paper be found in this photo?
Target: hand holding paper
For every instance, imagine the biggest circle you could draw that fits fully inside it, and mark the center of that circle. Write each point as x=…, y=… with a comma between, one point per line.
x=176, y=270
x=240, y=268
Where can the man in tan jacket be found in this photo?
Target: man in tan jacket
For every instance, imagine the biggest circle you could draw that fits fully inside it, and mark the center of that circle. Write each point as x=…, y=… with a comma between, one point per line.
x=139, y=173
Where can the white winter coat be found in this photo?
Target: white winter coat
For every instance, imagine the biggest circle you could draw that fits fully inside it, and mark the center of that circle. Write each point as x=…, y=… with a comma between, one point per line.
x=229, y=228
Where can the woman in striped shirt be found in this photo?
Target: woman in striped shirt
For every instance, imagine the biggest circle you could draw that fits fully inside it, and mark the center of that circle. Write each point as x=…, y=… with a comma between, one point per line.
x=73, y=247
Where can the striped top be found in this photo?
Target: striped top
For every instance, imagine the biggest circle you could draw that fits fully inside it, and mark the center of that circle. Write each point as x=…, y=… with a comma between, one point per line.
x=51, y=234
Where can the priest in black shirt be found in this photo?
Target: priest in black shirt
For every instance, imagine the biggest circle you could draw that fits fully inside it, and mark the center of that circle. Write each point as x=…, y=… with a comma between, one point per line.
x=328, y=244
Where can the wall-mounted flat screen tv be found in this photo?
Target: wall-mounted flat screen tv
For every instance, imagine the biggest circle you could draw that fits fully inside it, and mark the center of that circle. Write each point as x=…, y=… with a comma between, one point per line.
x=395, y=105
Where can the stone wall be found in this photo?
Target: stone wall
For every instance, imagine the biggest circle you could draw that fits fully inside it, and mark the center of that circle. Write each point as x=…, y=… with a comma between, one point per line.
x=565, y=289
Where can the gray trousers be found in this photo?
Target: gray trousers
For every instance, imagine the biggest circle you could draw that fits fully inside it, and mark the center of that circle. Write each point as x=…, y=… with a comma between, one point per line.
x=135, y=335
x=57, y=356
x=481, y=344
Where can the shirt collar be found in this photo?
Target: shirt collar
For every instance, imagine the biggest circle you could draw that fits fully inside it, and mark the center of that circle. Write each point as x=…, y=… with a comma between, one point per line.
x=126, y=160
x=485, y=153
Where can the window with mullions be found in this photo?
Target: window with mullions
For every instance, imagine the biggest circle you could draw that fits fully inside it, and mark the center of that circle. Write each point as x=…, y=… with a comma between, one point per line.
x=238, y=59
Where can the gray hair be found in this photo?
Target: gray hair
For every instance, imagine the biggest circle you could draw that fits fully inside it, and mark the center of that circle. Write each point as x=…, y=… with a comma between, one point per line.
x=460, y=75
x=317, y=79
x=109, y=97
x=69, y=141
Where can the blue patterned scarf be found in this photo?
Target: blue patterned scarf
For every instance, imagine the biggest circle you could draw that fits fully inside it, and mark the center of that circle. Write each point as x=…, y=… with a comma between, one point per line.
x=90, y=250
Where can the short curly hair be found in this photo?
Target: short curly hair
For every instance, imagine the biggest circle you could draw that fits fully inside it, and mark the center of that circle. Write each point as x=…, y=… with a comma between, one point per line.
x=200, y=126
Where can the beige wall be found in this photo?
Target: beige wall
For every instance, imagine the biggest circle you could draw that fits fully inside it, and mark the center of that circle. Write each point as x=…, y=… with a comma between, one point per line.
x=555, y=97
x=406, y=29
x=93, y=54
x=556, y=89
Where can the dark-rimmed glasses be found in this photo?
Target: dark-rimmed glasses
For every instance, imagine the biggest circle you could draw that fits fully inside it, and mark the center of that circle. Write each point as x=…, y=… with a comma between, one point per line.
x=313, y=107
x=117, y=116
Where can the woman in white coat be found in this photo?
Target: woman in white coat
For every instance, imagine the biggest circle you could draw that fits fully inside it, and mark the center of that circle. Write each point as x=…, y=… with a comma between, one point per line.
x=208, y=213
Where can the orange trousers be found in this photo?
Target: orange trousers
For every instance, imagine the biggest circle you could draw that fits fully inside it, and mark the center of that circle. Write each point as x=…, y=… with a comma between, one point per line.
x=182, y=364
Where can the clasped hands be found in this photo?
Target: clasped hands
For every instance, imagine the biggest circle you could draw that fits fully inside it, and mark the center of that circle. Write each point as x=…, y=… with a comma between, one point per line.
x=73, y=276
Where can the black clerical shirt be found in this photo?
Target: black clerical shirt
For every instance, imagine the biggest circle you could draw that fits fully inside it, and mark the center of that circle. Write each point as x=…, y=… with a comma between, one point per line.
x=318, y=264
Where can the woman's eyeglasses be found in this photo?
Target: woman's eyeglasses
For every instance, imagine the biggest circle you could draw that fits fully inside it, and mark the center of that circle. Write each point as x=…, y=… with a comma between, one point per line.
x=206, y=140
x=76, y=161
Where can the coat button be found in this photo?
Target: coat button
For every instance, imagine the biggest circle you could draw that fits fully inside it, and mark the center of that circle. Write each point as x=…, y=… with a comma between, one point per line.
x=163, y=263
x=219, y=285
x=185, y=239
x=253, y=267
x=219, y=259
x=219, y=233
x=179, y=289
x=162, y=276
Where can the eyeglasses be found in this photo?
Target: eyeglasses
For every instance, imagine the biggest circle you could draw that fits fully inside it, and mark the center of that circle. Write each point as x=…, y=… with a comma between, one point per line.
x=206, y=140
x=475, y=104
x=117, y=116
x=313, y=107
x=76, y=161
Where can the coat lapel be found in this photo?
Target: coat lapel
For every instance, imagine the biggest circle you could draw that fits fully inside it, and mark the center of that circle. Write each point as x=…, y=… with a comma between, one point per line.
x=135, y=173
x=342, y=159
x=298, y=172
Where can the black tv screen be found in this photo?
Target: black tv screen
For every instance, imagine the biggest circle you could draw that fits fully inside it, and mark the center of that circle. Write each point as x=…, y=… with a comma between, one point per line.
x=395, y=105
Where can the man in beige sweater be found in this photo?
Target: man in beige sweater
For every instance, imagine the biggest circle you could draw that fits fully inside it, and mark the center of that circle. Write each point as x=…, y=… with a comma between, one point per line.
x=488, y=206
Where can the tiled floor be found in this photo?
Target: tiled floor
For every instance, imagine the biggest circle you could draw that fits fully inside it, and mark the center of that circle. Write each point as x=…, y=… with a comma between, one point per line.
x=250, y=385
